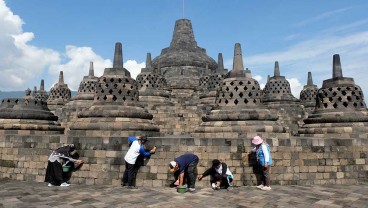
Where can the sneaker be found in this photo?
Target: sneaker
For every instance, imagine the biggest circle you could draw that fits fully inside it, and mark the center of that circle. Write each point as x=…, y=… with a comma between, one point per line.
x=229, y=188
x=64, y=184
x=217, y=188
x=132, y=187
x=191, y=189
x=50, y=185
x=266, y=188
x=213, y=186
x=260, y=186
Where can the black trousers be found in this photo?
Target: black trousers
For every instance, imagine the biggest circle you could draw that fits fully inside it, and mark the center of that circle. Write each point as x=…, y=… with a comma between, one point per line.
x=130, y=174
x=54, y=173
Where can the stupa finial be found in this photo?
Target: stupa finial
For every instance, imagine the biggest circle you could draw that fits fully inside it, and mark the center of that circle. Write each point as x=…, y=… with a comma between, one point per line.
x=183, y=36
x=118, y=56
x=336, y=66
x=42, y=85
x=238, y=58
x=148, y=61
x=310, y=80
x=61, y=78
x=220, y=62
x=277, y=69
x=91, y=72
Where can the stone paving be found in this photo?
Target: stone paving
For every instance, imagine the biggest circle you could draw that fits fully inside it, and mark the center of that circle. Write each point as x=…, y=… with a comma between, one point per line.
x=26, y=194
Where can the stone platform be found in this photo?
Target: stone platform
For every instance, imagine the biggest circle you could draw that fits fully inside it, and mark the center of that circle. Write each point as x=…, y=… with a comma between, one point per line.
x=32, y=194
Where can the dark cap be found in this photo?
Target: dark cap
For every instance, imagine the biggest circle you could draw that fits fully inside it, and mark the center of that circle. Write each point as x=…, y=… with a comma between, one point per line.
x=215, y=162
x=144, y=138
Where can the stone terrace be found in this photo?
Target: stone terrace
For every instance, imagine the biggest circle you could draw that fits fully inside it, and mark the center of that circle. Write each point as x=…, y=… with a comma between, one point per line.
x=31, y=194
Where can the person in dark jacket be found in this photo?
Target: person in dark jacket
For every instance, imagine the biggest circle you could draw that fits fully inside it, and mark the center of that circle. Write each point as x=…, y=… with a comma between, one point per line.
x=221, y=176
x=185, y=166
x=58, y=158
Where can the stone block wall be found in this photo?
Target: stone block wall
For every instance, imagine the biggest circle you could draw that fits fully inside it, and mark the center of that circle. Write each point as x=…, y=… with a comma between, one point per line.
x=23, y=156
x=302, y=161
x=177, y=120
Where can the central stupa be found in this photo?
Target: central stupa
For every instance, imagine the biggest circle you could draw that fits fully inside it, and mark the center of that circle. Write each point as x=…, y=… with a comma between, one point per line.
x=183, y=62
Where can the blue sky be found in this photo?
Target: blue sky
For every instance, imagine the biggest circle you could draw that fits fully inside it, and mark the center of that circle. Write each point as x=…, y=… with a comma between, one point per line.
x=39, y=38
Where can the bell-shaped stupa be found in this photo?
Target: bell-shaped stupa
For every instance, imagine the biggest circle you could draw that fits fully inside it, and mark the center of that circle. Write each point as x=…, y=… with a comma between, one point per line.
x=209, y=91
x=239, y=111
x=59, y=94
x=183, y=62
x=340, y=108
x=217, y=77
x=87, y=87
x=41, y=94
x=308, y=95
x=278, y=98
x=152, y=86
x=30, y=114
x=83, y=100
x=277, y=89
x=116, y=110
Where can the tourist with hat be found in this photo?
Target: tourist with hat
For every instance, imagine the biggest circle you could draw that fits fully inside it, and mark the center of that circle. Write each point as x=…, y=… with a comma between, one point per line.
x=59, y=159
x=263, y=153
x=185, y=166
x=221, y=176
x=136, y=150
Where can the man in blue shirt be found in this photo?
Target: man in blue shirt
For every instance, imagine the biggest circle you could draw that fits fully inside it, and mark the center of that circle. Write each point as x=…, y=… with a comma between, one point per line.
x=131, y=167
x=185, y=164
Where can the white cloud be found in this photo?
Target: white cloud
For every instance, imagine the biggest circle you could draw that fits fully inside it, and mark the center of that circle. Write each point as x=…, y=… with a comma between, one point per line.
x=77, y=66
x=19, y=61
x=292, y=36
x=258, y=78
x=322, y=16
x=346, y=28
x=134, y=68
x=295, y=86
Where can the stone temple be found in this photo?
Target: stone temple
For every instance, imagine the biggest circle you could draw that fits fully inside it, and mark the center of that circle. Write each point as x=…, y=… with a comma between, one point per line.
x=185, y=101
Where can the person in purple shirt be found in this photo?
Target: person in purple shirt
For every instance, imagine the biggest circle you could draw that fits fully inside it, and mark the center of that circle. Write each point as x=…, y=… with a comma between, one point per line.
x=185, y=166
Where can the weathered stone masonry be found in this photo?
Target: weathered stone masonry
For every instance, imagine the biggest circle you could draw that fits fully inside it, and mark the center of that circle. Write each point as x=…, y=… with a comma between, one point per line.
x=297, y=161
x=186, y=102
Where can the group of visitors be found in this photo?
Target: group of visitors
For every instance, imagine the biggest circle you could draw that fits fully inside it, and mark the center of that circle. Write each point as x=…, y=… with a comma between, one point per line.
x=183, y=167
